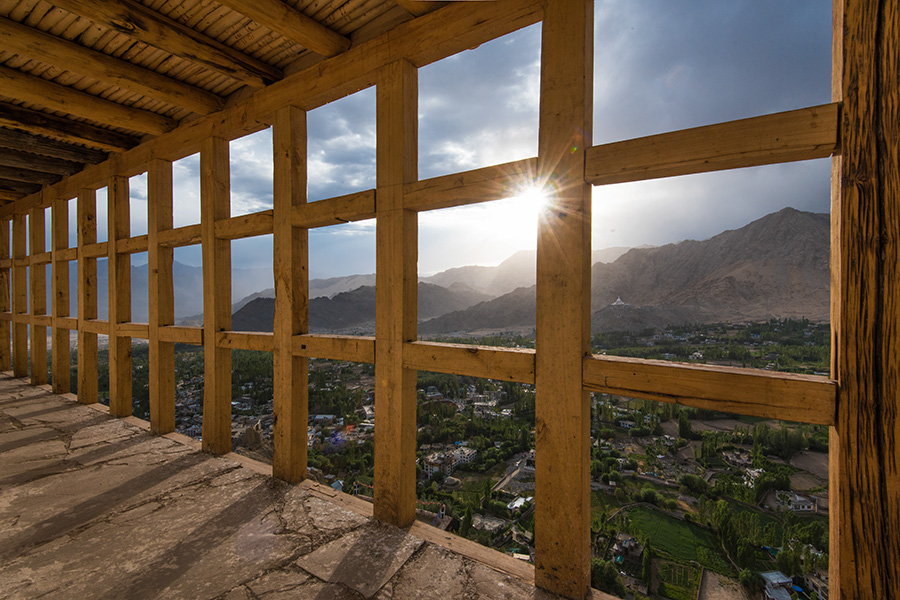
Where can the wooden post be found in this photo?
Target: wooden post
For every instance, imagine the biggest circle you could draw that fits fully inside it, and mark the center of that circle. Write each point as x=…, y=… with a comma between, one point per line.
x=119, y=279
x=215, y=203
x=865, y=441
x=5, y=305
x=20, y=297
x=162, y=297
x=291, y=272
x=87, y=297
x=562, y=409
x=395, y=288
x=38, y=241
x=61, y=337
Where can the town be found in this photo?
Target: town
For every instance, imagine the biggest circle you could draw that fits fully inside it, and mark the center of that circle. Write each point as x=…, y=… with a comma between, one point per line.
x=678, y=495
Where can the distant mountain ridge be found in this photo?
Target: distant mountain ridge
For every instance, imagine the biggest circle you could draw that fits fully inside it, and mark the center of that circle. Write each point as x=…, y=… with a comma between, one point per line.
x=777, y=266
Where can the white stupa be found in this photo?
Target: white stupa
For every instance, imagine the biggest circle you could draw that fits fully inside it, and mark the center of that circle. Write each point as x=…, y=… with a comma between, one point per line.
x=618, y=302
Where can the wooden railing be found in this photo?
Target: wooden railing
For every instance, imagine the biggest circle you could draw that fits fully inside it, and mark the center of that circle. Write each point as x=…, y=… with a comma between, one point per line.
x=561, y=368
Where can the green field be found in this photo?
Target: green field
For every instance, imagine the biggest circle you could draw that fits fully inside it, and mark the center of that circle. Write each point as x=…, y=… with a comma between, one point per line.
x=684, y=542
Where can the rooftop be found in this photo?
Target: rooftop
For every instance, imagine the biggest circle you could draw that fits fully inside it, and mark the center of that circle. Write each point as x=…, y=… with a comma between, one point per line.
x=98, y=507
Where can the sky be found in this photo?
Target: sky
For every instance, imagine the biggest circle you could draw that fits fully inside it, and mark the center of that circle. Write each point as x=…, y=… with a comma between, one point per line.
x=660, y=65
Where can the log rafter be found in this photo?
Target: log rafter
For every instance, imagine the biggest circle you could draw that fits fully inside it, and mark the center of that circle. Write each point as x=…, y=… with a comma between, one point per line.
x=67, y=130
x=148, y=26
x=32, y=43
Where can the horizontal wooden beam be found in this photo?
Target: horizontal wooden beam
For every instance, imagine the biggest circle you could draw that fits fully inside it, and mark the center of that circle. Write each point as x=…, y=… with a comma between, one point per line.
x=18, y=187
x=98, y=250
x=504, y=364
x=28, y=175
x=23, y=142
x=417, y=8
x=32, y=121
x=292, y=24
x=755, y=393
x=132, y=245
x=335, y=347
x=133, y=330
x=244, y=340
x=41, y=258
x=148, y=26
x=33, y=43
x=98, y=326
x=70, y=323
x=8, y=196
x=180, y=236
x=471, y=187
x=36, y=162
x=80, y=104
x=334, y=211
x=181, y=335
x=66, y=254
x=782, y=137
x=42, y=320
x=244, y=226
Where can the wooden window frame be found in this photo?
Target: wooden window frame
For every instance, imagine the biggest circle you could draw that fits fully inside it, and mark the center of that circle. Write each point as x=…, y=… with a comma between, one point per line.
x=859, y=402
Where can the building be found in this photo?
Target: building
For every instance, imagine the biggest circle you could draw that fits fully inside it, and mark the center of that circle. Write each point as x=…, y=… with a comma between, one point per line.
x=447, y=462
x=115, y=119
x=778, y=585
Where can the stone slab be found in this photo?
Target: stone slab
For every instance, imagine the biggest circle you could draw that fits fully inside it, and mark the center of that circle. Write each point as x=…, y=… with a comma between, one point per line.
x=364, y=559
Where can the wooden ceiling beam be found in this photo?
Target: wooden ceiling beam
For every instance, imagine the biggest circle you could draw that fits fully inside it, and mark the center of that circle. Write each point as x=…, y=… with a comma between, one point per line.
x=33, y=121
x=49, y=49
x=148, y=26
x=292, y=24
x=7, y=197
x=35, y=162
x=28, y=175
x=17, y=187
x=417, y=8
x=34, y=90
x=23, y=142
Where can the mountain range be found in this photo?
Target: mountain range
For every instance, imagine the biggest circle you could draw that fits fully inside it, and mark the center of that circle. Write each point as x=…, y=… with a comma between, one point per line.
x=777, y=266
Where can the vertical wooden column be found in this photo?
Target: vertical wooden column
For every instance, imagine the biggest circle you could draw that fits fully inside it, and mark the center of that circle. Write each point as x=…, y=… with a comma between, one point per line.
x=291, y=270
x=562, y=410
x=20, y=297
x=215, y=203
x=59, y=212
x=87, y=297
x=865, y=441
x=119, y=279
x=395, y=288
x=162, y=297
x=38, y=237
x=5, y=305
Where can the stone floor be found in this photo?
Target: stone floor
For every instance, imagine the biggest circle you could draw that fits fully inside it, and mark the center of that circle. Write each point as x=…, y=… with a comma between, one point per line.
x=96, y=507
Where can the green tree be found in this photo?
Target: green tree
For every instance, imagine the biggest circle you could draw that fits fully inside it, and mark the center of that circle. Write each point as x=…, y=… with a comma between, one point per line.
x=606, y=578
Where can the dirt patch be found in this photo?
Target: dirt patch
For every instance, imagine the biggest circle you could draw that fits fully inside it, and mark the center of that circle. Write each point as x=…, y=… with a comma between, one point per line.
x=718, y=425
x=718, y=587
x=813, y=462
x=805, y=481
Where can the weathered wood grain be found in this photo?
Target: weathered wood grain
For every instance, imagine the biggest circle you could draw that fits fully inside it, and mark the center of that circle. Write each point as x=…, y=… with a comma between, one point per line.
x=504, y=364
x=335, y=347
x=38, y=297
x=119, y=296
x=395, y=289
x=61, y=350
x=756, y=393
x=782, y=137
x=215, y=204
x=291, y=272
x=162, y=297
x=865, y=442
x=562, y=408
x=86, y=215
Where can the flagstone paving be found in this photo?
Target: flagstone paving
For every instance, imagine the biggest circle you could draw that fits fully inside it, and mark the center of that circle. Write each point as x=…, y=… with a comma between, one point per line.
x=96, y=507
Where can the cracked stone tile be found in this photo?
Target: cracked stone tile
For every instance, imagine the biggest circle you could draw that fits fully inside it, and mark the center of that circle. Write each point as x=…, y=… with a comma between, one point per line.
x=239, y=593
x=364, y=559
x=316, y=590
x=15, y=438
x=278, y=582
x=198, y=546
x=485, y=582
x=433, y=573
x=108, y=431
